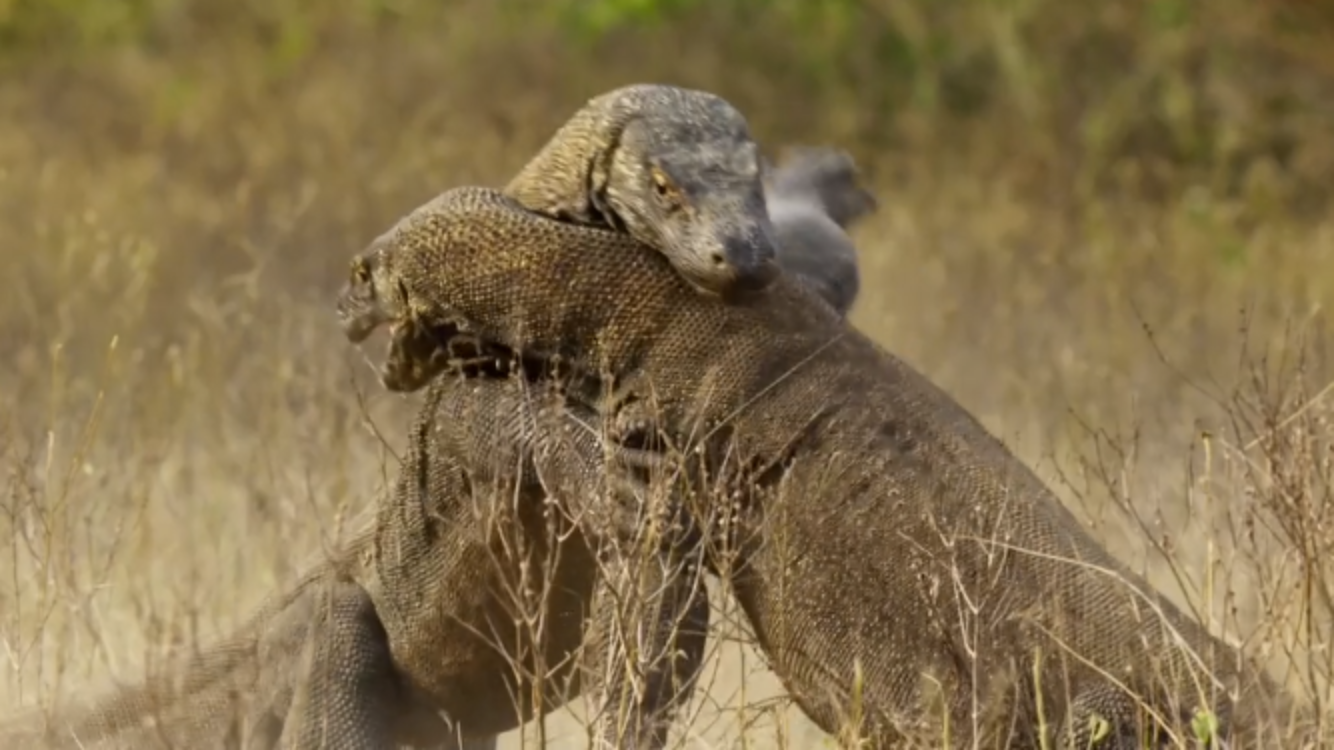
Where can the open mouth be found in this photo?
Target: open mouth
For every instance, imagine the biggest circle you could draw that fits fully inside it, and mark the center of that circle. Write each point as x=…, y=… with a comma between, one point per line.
x=357, y=330
x=418, y=352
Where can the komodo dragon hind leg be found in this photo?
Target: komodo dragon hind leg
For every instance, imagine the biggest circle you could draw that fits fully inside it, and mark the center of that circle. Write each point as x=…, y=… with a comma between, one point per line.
x=644, y=644
x=1104, y=717
x=346, y=693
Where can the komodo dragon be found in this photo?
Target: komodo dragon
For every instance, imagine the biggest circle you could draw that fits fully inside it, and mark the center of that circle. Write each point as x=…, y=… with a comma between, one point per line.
x=897, y=563
x=241, y=690
x=816, y=183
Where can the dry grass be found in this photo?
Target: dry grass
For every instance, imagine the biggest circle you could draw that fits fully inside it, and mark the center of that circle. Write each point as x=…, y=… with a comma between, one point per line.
x=177, y=420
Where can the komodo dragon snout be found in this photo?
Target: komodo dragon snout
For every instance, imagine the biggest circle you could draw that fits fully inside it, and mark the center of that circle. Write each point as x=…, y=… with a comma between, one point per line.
x=374, y=294
x=703, y=197
x=362, y=305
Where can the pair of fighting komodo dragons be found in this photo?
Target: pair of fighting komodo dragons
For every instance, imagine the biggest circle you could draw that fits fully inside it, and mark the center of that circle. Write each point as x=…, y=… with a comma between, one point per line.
x=637, y=369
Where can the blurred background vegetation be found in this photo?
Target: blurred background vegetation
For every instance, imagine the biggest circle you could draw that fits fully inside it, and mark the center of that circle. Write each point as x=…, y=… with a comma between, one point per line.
x=1160, y=142
x=1089, y=213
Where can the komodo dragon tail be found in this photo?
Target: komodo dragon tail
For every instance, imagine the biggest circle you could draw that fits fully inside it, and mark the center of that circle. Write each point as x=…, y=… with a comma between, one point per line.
x=234, y=693
x=825, y=178
x=813, y=197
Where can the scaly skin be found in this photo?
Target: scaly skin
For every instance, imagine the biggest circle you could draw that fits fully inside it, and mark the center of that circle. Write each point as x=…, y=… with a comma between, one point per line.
x=674, y=168
x=310, y=669
x=812, y=199
x=884, y=538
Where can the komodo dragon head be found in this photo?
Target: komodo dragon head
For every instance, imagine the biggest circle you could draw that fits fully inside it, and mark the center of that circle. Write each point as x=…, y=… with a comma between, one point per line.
x=826, y=180
x=420, y=345
x=675, y=168
x=683, y=186
x=369, y=298
x=374, y=296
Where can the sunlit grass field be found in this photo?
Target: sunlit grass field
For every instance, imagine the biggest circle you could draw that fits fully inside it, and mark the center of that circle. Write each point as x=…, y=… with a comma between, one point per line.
x=1129, y=281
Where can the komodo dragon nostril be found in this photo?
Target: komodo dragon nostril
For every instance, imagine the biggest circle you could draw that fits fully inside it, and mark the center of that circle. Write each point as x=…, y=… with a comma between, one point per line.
x=750, y=252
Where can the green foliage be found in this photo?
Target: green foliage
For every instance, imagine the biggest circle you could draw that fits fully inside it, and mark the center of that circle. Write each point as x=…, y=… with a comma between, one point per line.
x=1166, y=15
x=1144, y=78
x=74, y=24
x=1205, y=728
x=587, y=20
x=1152, y=81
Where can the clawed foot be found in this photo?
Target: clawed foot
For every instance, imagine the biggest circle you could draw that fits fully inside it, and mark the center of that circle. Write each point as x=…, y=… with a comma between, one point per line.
x=636, y=442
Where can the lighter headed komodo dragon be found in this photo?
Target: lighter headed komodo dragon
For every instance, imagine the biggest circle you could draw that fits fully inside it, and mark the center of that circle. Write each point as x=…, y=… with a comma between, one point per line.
x=899, y=566
x=327, y=663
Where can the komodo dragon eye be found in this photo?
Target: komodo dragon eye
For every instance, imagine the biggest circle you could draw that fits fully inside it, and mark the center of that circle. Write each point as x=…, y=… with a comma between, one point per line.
x=361, y=271
x=665, y=187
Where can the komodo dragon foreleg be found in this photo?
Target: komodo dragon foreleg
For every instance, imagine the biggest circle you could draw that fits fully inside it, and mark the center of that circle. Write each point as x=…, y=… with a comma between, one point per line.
x=899, y=558
x=645, y=645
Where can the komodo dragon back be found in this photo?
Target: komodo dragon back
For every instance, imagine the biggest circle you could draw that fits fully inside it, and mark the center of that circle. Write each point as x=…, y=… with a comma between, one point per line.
x=674, y=168
x=887, y=533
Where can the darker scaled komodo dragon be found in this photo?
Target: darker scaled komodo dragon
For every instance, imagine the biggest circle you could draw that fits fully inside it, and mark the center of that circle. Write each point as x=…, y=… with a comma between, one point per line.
x=888, y=544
